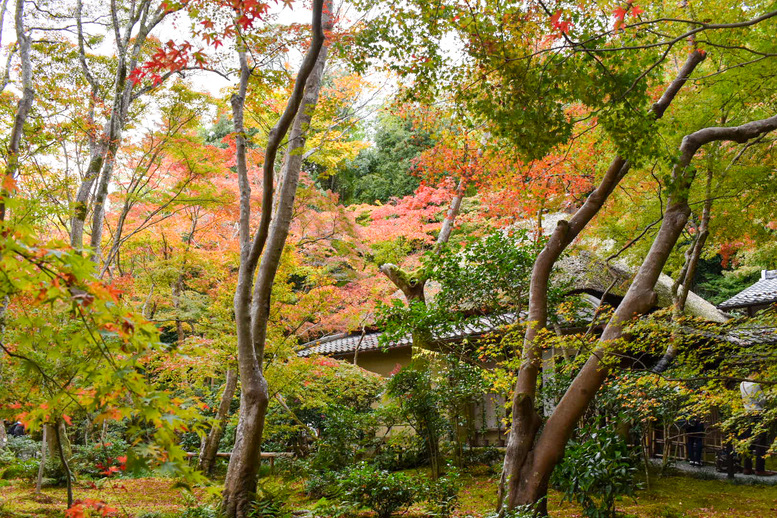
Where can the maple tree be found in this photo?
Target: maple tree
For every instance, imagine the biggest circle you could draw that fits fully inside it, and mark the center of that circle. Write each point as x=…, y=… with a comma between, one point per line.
x=508, y=111
x=515, y=77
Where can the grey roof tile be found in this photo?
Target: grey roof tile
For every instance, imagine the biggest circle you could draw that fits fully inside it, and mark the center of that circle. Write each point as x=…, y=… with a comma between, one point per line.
x=762, y=292
x=341, y=344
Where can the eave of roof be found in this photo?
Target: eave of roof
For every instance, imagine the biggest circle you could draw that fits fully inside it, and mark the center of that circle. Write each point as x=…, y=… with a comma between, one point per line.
x=345, y=344
x=762, y=292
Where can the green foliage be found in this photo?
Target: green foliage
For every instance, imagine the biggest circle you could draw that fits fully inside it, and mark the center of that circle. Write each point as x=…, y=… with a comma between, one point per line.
x=345, y=436
x=489, y=276
x=328, y=411
x=271, y=501
x=521, y=91
x=486, y=455
x=522, y=511
x=323, y=484
x=383, y=492
x=402, y=449
x=19, y=459
x=72, y=347
x=22, y=448
x=100, y=459
x=597, y=468
x=200, y=511
x=11, y=468
x=442, y=495
x=419, y=403
x=393, y=252
x=383, y=171
x=717, y=285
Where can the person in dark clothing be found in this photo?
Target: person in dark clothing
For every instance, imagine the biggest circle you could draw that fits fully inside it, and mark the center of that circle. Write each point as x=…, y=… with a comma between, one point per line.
x=694, y=436
x=753, y=401
x=16, y=430
x=758, y=449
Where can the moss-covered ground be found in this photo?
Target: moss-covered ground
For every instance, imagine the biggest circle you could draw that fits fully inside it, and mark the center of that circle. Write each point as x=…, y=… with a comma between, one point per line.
x=668, y=497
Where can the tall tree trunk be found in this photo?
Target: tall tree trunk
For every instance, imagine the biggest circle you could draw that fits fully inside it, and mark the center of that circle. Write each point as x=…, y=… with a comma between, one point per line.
x=525, y=420
x=531, y=486
x=210, y=444
x=682, y=284
x=42, y=466
x=252, y=309
x=64, y=454
x=23, y=108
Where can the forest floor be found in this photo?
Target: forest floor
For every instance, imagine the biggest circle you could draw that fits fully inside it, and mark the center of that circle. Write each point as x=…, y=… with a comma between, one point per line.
x=668, y=497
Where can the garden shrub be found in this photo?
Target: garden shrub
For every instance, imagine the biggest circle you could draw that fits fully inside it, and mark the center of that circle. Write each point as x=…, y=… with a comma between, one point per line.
x=442, y=495
x=384, y=493
x=100, y=459
x=323, y=412
x=323, y=484
x=345, y=436
x=402, y=449
x=596, y=469
x=23, y=448
x=19, y=459
x=486, y=455
x=271, y=501
x=419, y=403
x=26, y=469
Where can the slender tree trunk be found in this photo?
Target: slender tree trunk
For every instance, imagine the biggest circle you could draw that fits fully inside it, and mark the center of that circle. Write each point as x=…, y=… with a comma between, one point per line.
x=450, y=217
x=525, y=420
x=63, y=458
x=42, y=467
x=23, y=108
x=101, y=196
x=252, y=311
x=682, y=285
x=210, y=444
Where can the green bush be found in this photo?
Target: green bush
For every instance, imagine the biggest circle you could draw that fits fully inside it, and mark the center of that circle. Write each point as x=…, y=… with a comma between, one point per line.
x=487, y=455
x=271, y=501
x=23, y=448
x=385, y=493
x=26, y=469
x=323, y=484
x=402, y=449
x=597, y=468
x=345, y=436
x=442, y=495
x=100, y=459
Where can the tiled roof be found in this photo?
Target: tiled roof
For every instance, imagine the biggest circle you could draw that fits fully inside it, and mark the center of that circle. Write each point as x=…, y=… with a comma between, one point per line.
x=747, y=335
x=342, y=344
x=762, y=292
x=347, y=343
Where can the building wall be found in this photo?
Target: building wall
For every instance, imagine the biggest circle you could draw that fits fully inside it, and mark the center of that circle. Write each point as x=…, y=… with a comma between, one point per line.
x=380, y=362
